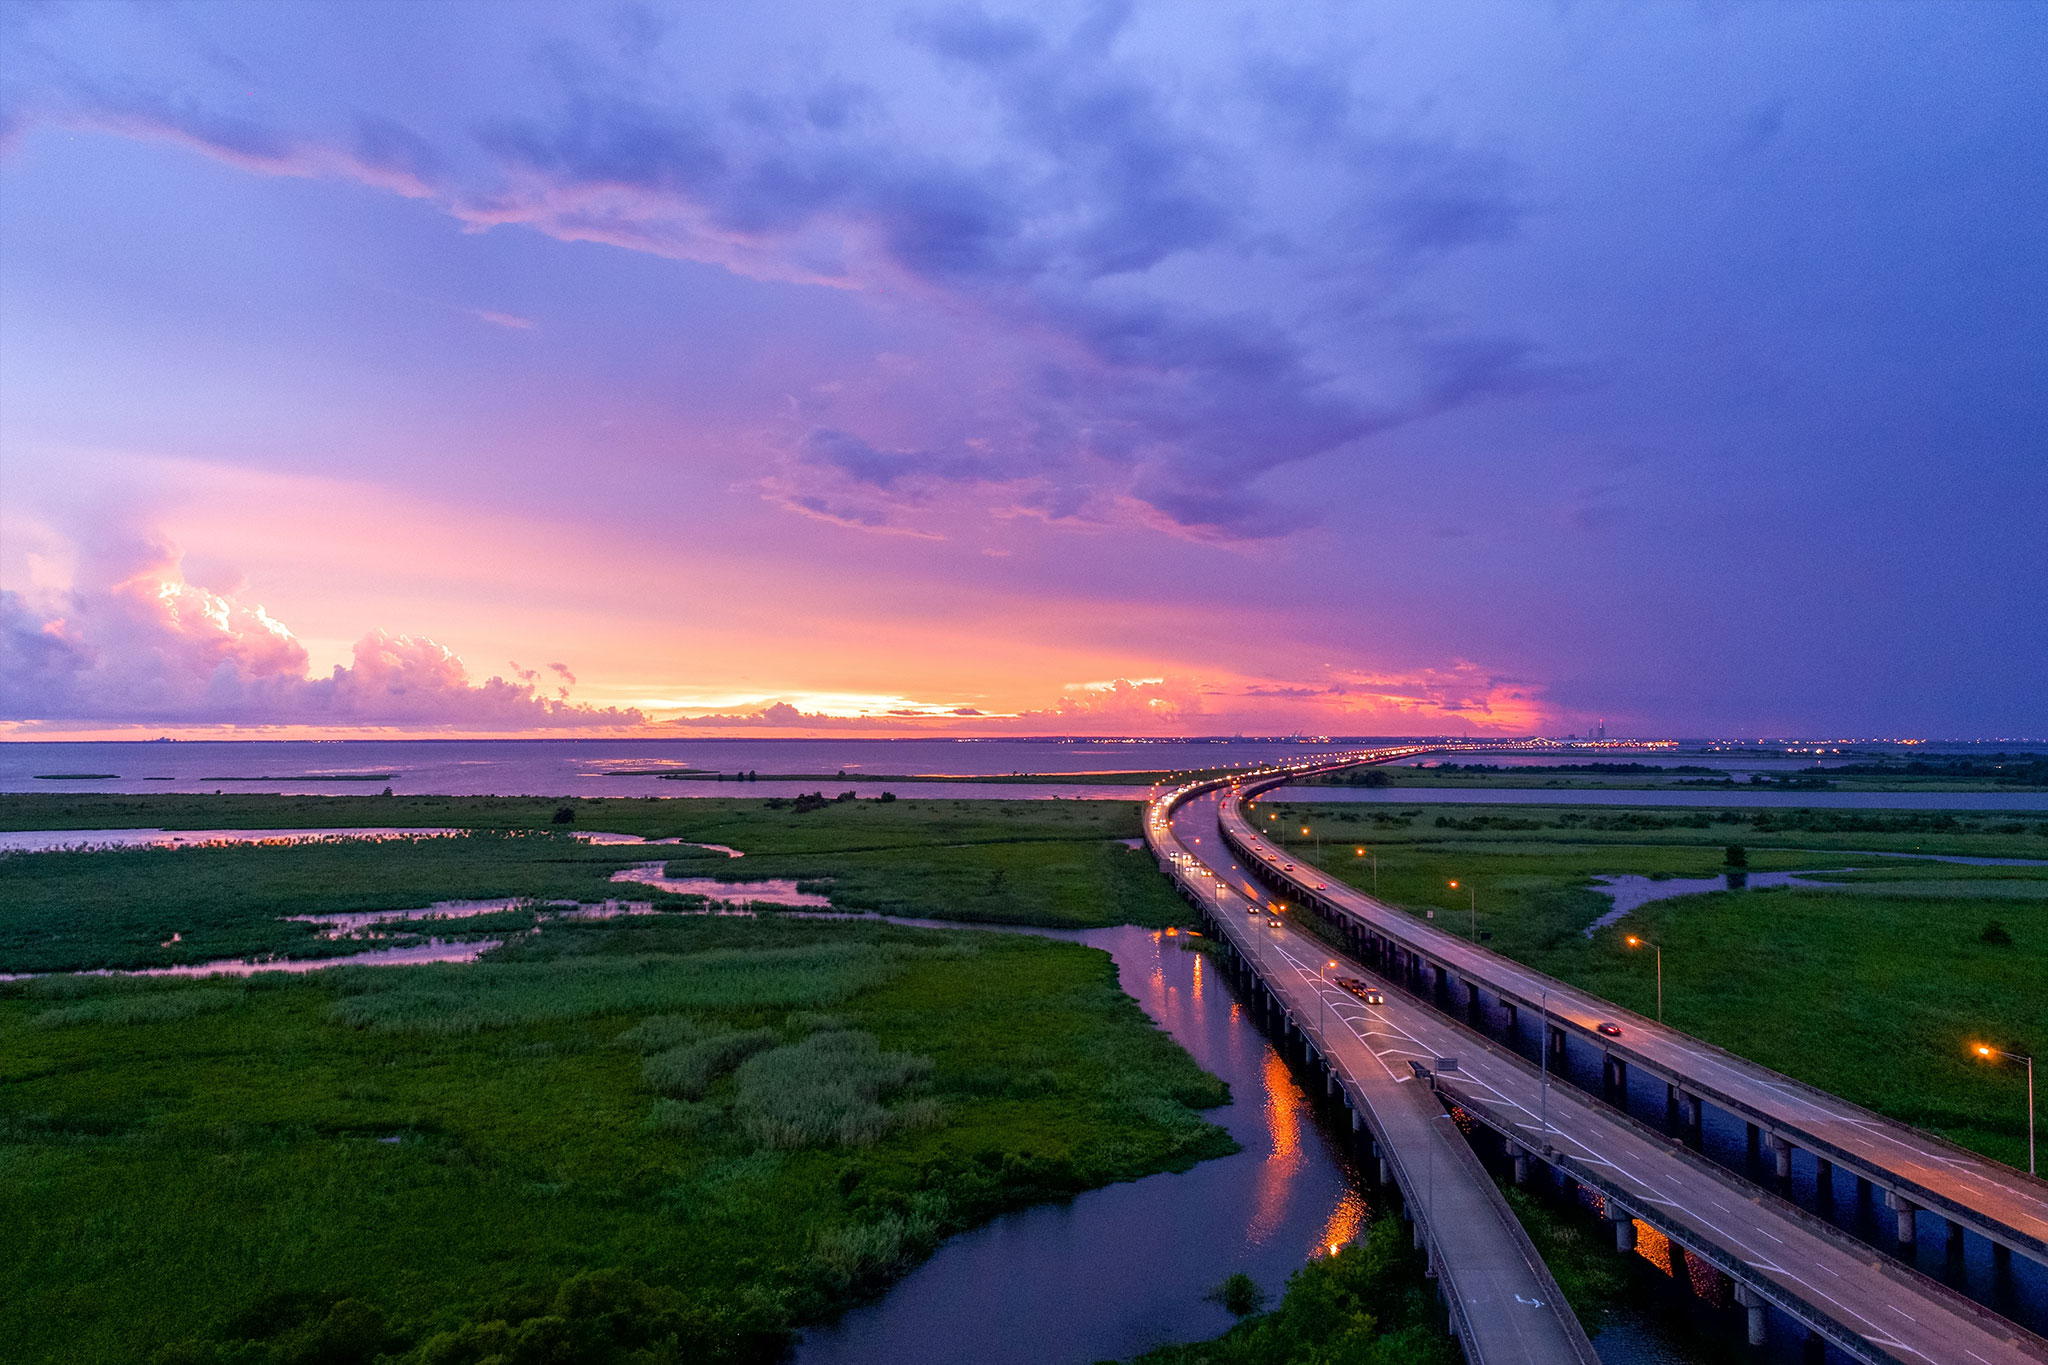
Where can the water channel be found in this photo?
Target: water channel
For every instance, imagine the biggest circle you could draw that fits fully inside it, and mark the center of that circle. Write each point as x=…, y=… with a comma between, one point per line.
x=1119, y=1270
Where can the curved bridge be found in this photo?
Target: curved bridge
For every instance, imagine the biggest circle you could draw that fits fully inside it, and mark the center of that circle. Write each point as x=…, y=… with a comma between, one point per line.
x=1385, y=1059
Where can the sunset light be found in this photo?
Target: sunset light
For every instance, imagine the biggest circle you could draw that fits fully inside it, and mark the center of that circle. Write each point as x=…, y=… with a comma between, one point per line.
x=686, y=681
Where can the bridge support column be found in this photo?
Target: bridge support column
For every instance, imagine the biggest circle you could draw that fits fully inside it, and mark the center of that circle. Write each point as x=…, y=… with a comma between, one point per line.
x=1556, y=1049
x=1691, y=1117
x=1754, y=1303
x=1905, y=1209
x=1781, y=1157
x=1624, y=1231
x=1471, y=1002
x=1520, y=1155
x=1955, y=1239
x=1511, y=1022
x=1386, y=1172
x=1824, y=1183
x=1614, y=1079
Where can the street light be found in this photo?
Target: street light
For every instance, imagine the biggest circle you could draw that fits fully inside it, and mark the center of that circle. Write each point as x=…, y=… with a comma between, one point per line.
x=1988, y=1053
x=1635, y=942
x=1323, y=1002
x=1474, y=891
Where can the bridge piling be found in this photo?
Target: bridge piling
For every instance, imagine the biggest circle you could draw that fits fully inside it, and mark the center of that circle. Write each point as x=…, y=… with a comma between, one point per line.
x=1781, y=1157
x=1905, y=1209
x=1614, y=1080
x=1752, y=1301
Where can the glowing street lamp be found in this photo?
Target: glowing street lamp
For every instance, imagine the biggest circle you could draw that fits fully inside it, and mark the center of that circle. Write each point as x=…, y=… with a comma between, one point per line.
x=1635, y=942
x=1992, y=1053
x=1323, y=1001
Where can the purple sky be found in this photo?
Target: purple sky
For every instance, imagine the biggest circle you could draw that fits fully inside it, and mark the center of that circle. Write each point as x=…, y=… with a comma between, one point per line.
x=1160, y=368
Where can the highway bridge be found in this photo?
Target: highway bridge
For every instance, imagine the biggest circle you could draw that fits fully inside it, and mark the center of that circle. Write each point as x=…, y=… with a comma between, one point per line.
x=1385, y=1060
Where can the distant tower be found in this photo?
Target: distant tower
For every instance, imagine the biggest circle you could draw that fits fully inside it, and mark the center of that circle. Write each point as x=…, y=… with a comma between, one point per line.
x=1601, y=733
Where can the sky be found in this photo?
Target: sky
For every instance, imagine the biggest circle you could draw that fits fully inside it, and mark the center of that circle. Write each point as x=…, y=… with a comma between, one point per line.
x=1340, y=368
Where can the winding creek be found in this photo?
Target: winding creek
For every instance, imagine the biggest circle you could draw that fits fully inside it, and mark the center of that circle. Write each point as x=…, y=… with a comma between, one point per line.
x=1116, y=1271
x=1112, y=1272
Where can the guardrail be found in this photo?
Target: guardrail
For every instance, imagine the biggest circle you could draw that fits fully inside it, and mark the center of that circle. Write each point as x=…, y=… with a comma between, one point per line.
x=1429, y=942
x=1175, y=860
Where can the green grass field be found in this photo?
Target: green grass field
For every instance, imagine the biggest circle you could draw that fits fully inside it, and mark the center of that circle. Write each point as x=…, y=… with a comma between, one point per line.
x=1871, y=988
x=663, y=1139
x=1057, y=863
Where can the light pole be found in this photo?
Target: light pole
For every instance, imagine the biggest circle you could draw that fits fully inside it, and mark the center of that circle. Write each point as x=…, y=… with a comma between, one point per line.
x=1474, y=892
x=1989, y=1052
x=1636, y=942
x=1543, y=1081
x=1323, y=1003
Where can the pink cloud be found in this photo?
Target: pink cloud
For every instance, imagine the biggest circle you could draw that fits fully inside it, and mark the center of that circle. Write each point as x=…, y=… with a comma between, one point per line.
x=152, y=648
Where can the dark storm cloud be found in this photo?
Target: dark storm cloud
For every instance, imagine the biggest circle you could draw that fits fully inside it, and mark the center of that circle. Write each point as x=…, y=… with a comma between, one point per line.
x=1047, y=237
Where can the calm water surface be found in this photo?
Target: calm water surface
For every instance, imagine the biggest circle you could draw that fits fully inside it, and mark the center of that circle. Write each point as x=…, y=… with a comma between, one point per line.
x=1119, y=1270
x=619, y=767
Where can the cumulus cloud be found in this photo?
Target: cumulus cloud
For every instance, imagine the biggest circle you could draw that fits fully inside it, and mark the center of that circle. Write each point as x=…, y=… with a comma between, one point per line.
x=776, y=716
x=1173, y=283
x=148, y=647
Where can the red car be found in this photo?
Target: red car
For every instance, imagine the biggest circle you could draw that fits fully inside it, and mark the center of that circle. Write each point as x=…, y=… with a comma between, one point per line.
x=1612, y=1030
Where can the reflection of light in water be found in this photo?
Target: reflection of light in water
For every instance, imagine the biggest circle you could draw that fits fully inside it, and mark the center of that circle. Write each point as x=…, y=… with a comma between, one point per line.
x=1286, y=1110
x=1198, y=978
x=1347, y=1220
x=1653, y=1246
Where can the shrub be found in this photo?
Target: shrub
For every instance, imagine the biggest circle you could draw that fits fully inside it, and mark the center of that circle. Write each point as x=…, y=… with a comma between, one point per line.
x=1994, y=934
x=1240, y=1294
x=686, y=1072
x=862, y=1255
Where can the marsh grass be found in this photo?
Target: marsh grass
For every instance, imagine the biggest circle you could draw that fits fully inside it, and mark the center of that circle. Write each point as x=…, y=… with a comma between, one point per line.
x=829, y=1089
x=155, y=1007
x=684, y=1072
x=1036, y=862
x=1872, y=987
x=242, y=1156
x=454, y=999
x=156, y=907
x=1366, y=1304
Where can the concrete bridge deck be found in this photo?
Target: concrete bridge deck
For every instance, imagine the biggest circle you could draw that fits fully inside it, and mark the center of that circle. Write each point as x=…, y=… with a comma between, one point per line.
x=1918, y=1171
x=1775, y=1254
x=1504, y=1304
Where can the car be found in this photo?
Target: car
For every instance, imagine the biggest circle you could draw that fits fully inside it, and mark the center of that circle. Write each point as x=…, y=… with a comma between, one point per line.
x=1608, y=1027
x=1255, y=909
x=1276, y=923
x=1361, y=990
x=1290, y=867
